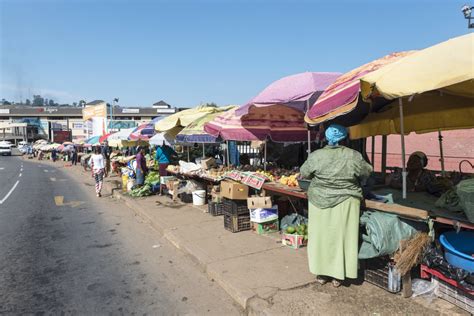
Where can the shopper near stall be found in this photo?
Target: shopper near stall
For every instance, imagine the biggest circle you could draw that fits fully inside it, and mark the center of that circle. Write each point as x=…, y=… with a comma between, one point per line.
x=54, y=155
x=97, y=164
x=141, y=169
x=418, y=178
x=106, y=154
x=334, y=195
x=74, y=156
x=164, y=155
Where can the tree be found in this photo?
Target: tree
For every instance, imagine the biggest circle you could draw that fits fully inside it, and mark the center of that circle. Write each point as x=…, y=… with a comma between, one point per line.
x=5, y=102
x=27, y=102
x=74, y=104
x=211, y=104
x=38, y=100
x=51, y=102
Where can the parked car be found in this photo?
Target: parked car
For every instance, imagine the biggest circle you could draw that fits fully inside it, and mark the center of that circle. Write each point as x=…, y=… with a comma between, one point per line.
x=5, y=148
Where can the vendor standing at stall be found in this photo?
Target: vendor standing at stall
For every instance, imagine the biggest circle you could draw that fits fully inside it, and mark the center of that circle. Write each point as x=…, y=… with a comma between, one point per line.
x=334, y=195
x=164, y=155
x=141, y=169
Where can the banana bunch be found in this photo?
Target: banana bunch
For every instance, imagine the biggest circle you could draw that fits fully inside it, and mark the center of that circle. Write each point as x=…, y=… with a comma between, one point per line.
x=266, y=174
x=291, y=181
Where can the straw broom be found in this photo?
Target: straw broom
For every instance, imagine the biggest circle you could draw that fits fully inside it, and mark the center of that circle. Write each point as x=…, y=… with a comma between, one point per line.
x=412, y=253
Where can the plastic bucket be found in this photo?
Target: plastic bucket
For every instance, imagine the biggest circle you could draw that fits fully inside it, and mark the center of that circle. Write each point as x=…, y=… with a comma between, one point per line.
x=459, y=248
x=199, y=197
x=124, y=182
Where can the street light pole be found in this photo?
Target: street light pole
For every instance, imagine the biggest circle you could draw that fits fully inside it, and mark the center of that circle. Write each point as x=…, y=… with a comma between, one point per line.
x=467, y=11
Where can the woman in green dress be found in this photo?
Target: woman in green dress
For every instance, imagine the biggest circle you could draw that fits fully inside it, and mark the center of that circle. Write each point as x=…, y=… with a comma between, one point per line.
x=334, y=195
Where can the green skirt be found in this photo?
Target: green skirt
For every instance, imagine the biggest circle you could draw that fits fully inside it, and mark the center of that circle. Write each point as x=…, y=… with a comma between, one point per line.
x=333, y=239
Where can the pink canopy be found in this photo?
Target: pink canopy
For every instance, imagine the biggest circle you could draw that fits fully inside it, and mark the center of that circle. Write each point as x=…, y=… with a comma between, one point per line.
x=294, y=91
x=342, y=96
x=283, y=124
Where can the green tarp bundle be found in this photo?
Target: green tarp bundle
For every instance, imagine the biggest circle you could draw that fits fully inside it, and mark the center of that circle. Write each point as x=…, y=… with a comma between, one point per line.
x=465, y=191
x=383, y=234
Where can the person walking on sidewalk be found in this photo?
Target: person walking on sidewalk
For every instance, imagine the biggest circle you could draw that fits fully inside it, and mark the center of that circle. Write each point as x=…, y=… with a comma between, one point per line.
x=334, y=196
x=97, y=164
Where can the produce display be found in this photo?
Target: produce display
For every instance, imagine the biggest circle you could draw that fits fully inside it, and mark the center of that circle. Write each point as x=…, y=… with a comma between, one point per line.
x=144, y=190
x=152, y=178
x=298, y=230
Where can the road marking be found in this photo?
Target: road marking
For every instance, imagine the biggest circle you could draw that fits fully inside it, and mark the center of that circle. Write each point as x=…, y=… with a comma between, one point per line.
x=45, y=170
x=53, y=179
x=20, y=175
x=10, y=192
x=59, y=201
x=21, y=169
x=2, y=168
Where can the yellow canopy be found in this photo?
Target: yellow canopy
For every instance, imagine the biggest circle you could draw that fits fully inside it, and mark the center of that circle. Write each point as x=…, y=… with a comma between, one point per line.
x=184, y=118
x=435, y=86
x=436, y=112
x=447, y=66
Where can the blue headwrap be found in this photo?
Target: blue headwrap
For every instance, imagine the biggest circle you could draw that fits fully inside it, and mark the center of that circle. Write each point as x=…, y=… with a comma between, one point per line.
x=335, y=133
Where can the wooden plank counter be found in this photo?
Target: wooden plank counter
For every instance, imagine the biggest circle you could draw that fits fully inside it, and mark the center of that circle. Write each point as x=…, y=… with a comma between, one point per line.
x=398, y=209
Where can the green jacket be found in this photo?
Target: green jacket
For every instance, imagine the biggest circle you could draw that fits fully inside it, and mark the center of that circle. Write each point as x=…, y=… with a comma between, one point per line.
x=336, y=173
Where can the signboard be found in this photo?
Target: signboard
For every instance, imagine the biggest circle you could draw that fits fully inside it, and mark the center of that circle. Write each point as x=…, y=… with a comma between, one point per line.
x=234, y=175
x=254, y=180
x=131, y=111
x=94, y=111
x=166, y=111
x=61, y=136
x=77, y=125
x=118, y=125
x=4, y=111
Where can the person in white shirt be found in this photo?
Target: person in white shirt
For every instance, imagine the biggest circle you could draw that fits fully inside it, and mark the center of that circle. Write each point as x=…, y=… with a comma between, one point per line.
x=97, y=164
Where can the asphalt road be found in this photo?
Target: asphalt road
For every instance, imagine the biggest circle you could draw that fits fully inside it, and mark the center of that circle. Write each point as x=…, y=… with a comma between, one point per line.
x=65, y=251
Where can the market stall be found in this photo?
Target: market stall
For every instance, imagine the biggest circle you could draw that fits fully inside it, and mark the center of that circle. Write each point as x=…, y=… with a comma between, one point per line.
x=421, y=92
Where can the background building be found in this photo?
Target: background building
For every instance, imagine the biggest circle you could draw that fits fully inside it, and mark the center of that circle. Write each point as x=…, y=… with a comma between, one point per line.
x=42, y=120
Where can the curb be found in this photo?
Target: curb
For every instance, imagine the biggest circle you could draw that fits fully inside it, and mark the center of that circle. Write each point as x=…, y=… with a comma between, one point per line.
x=242, y=299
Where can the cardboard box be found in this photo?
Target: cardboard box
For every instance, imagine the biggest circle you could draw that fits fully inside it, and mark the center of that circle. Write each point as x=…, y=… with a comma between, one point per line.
x=260, y=215
x=266, y=227
x=259, y=202
x=208, y=163
x=293, y=240
x=234, y=190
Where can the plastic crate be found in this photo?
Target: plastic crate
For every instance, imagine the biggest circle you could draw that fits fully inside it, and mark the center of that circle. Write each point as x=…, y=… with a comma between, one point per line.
x=454, y=295
x=381, y=272
x=235, y=207
x=186, y=197
x=215, y=209
x=237, y=223
x=266, y=227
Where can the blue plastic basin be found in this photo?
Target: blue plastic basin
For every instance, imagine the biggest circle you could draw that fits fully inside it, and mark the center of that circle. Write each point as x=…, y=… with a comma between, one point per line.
x=459, y=248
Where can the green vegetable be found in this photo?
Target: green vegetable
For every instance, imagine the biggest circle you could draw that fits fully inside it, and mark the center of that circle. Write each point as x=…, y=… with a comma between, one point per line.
x=141, y=191
x=152, y=178
x=290, y=230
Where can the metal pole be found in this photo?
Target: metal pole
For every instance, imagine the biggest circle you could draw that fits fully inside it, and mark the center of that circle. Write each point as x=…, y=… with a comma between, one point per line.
x=265, y=157
x=384, y=156
x=227, y=153
x=203, y=151
x=309, y=142
x=309, y=129
x=441, y=158
x=402, y=135
x=188, y=153
x=373, y=152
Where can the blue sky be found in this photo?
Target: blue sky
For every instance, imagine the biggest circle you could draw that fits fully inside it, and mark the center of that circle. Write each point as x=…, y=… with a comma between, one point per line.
x=188, y=52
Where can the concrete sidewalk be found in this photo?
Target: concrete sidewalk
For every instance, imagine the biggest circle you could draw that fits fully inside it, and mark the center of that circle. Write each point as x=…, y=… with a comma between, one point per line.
x=246, y=265
x=259, y=273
